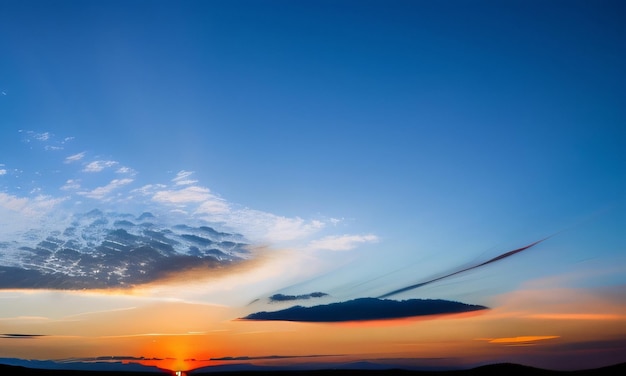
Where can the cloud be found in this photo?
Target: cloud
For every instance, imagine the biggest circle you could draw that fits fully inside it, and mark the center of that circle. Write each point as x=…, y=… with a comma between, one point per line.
x=256, y=225
x=342, y=242
x=214, y=205
x=148, y=189
x=517, y=340
x=49, y=141
x=100, y=250
x=75, y=157
x=101, y=192
x=97, y=166
x=182, y=196
x=287, y=298
x=182, y=178
x=3, y=171
x=20, y=336
x=577, y=316
x=125, y=170
x=465, y=269
x=71, y=184
x=273, y=228
x=366, y=309
x=42, y=136
x=29, y=207
x=234, y=358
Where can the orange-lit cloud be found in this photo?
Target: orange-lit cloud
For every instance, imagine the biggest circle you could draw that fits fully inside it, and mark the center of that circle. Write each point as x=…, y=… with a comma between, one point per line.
x=517, y=340
x=577, y=316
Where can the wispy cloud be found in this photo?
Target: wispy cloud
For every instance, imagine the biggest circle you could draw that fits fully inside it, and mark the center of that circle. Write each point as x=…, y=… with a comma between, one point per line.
x=97, y=166
x=125, y=170
x=517, y=340
x=182, y=196
x=213, y=206
x=42, y=136
x=47, y=139
x=577, y=316
x=182, y=178
x=273, y=228
x=269, y=357
x=71, y=184
x=463, y=269
x=28, y=206
x=342, y=242
x=149, y=189
x=75, y=157
x=101, y=192
x=22, y=214
x=3, y=171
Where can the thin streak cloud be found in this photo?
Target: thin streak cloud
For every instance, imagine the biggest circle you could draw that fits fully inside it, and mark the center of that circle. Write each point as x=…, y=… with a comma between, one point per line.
x=497, y=258
x=102, y=192
x=182, y=178
x=341, y=242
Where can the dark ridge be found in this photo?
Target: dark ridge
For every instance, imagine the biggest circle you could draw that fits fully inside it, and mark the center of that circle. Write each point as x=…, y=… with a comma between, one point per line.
x=494, y=369
x=24, y=371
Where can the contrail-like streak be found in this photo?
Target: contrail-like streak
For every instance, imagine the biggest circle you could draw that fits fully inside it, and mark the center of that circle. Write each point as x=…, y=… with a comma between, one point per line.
x=497, y=258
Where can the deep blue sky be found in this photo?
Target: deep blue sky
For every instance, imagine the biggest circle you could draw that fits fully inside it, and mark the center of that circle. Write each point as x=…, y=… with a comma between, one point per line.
x=449, y=126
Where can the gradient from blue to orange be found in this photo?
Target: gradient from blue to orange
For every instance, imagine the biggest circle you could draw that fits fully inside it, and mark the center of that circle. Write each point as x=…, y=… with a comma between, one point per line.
x=365, y=144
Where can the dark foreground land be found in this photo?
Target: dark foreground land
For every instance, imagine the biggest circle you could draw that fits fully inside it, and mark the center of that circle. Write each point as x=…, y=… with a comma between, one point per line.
x=495, y=369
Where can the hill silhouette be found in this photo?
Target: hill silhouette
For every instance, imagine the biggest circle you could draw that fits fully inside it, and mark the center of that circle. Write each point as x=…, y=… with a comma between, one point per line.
x=487, y=370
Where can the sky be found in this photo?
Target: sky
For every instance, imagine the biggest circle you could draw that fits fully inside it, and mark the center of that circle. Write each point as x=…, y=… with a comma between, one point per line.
x=357, y=148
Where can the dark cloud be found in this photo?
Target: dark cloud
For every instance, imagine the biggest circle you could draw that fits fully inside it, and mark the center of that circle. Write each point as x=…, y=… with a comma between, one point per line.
x=366, y=309
x=111, y=358
x=286, y=298
x=239, y=358
x=20, y=336
x=465, y=269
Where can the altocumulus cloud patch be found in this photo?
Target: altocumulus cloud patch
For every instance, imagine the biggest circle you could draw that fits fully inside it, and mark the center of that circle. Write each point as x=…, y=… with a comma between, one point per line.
x=105, y=250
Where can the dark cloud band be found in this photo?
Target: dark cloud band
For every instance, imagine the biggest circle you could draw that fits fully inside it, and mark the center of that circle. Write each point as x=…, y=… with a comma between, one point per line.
x=20, y=336
x=287, y=298
x=366, y=309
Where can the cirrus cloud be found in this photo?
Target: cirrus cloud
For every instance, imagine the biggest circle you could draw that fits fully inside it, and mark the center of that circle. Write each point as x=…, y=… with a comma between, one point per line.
x=182, y=178
x=342, y=242
x=193, y=194
x=75, y=157
x=101, y=192
x=97, y=166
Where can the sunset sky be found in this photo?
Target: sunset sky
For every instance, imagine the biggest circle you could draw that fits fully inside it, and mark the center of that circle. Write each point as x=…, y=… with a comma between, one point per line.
x=348, y=148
